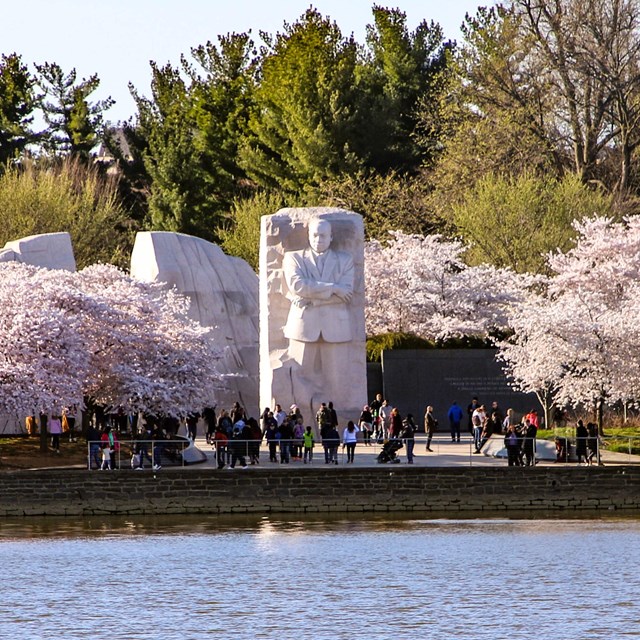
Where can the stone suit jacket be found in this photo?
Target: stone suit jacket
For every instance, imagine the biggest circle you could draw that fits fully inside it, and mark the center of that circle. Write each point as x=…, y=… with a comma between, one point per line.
x=315, y=311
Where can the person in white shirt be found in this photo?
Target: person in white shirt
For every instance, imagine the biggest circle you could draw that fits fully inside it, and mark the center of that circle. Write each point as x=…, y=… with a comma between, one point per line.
x=478, y=419
x=349, y=439
x=279, y=415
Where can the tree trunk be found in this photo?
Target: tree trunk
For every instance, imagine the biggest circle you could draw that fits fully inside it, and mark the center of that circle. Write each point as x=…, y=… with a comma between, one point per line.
x=599, y=415
x=43, y=433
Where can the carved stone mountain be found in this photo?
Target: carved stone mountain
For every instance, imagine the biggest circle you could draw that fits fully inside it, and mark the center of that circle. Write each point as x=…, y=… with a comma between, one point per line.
x=224, y=295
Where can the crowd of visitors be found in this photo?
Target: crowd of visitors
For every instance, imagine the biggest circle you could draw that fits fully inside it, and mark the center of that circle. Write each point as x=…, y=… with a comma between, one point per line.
x=237, y=438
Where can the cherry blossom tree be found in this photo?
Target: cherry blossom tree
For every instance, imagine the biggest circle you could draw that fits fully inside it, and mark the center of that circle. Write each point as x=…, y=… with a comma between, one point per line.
x=421, y=285
x=100, y=335
x=42, y=355
x=579, y=340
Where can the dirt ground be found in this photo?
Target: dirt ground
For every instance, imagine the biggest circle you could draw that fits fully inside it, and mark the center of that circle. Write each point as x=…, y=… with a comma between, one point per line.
x=24, y=453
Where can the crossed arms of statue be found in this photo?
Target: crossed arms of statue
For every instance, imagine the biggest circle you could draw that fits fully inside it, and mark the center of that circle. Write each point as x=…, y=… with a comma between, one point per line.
x=307, y=287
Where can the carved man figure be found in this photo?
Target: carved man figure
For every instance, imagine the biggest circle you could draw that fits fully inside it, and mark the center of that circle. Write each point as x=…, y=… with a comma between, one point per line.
x=320, y=283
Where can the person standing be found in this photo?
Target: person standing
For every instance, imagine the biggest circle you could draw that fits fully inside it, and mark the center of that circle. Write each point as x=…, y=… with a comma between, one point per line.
x=408, y=435
x=529, y=444
x=224, y=423
x=430, y=424
x=333, y=442
x=93, y=439
x=211, y=421
x=395, y=427
x=365, y=423
x=323, y=418
x=509, y=420
x=490, y=425
x=255, y=434
x=334, y=416
x=109, y=443
x=286, y=436
x=385, y=421
x=513, y=448
x=593, y=444
x=238, y=446
x=106, y=458
x=478, y=420
x=349, y=440
x=499, y=416
x=455, y=418
x=374, y=407
x=471, y=407
x=308, y=441
x=279, y=414
x=263, y=419
x=220, y=441
x=55, y=430
x=192, y=425
x=582, y=435
x=298, y=432
x=237, y=413
x=69, y=418
x=142, y=448
x=271, y=436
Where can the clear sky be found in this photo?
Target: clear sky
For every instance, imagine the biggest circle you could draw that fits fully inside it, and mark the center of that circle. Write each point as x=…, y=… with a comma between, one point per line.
x=117, y=38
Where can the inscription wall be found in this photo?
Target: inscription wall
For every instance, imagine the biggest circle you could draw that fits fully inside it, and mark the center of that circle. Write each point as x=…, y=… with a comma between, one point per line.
x=413, y=379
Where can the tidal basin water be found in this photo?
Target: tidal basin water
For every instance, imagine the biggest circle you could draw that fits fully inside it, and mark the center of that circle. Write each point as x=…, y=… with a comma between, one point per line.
x=197, y=578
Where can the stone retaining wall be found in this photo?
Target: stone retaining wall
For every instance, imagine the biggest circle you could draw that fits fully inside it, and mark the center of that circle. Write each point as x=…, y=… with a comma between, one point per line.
x=321, y=490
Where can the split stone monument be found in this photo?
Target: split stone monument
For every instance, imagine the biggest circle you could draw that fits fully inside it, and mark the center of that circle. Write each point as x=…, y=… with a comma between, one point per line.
x=48, y=250
x=224, y=296
x=312, y=332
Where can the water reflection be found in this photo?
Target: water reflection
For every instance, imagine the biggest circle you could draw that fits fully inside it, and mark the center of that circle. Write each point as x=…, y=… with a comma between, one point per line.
x=266, y=526
x=264, y=577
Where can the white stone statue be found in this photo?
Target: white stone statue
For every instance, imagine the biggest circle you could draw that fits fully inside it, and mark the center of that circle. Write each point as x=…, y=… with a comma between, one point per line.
x=312, y=317
x=320, y=283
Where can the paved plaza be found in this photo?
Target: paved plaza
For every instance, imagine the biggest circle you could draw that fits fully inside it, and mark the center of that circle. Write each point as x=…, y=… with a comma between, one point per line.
x=445, y=454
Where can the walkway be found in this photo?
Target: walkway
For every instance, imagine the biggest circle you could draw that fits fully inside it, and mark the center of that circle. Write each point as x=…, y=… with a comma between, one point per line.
x=445, y=454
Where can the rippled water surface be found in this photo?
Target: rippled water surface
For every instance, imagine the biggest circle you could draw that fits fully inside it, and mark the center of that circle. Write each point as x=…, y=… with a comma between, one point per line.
x=266, y=578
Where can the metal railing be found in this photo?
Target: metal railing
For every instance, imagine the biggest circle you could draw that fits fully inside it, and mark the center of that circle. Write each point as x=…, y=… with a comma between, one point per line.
x=161, y=452
x=153, y=452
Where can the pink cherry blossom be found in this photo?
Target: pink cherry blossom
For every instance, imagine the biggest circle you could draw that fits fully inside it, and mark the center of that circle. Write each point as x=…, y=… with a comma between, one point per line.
x=102, y=335
x=421, y=285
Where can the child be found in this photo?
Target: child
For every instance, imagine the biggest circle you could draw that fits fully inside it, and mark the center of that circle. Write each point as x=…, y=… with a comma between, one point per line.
x=106, y=458
x=307, y=439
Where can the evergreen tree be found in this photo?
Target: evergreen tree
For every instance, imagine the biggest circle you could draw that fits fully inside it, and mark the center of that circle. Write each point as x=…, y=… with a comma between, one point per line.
x=167, y=128
x=305, y=119
x=17, y=104
x=403, y=71
x=189, y=133
x=75, y=125
x=221, y=100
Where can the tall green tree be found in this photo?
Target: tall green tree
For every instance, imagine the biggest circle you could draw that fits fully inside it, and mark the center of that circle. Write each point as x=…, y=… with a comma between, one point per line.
x=189, y=132
x=222, y=94
x=75, y=124
x=166, y=132
x=305, y=119
x=401, y=71
x=18, y=102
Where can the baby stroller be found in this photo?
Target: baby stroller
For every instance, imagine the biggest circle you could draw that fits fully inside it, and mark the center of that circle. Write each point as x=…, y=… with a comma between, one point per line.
x=388, y=452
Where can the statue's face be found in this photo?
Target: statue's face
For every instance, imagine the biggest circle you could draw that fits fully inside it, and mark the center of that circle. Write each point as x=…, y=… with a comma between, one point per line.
x=320, y=236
